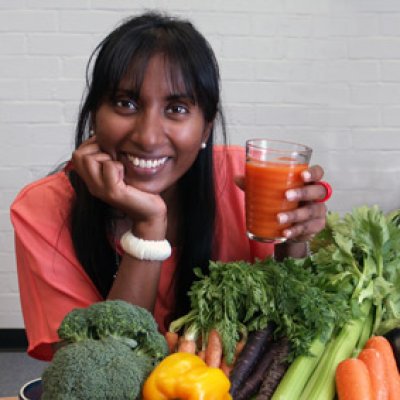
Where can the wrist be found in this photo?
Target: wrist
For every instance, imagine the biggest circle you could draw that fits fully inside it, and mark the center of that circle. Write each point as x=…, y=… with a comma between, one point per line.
x=154, y=229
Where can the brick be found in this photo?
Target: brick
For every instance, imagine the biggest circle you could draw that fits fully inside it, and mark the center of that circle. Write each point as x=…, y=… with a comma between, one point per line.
x=9, y=302
x=390, y=71
x=346, y=71
x=74, y=67
x=391, y=116
x=318, y=49
x=351, y=116
x=309, y=93
x=237, y=70
x=59, y=4
x=284, y=70
x=254, y=92
x=253, y=48
x=377, y=6
x=307, y=6
x=29, y=67
x=28, y=21
x=11, y=320
x=12, y=4
x=360, y=25
x=30, y=112
x=258, y=6
x=60, y=44
x=14, y=177
x=7, y=262
x=224, y=24
x=12, y=89
x=94, y=21
x=374, y=48
x=8, y=282
x=65, y=89
x=7, y=197
x=12, y=44
x=288, y=115
x=240, y=114
x=124, y=4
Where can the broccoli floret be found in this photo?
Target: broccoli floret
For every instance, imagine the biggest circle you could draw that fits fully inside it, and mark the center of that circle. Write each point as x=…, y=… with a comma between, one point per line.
x=75, y=326
x=131, y=324
x=104, y=369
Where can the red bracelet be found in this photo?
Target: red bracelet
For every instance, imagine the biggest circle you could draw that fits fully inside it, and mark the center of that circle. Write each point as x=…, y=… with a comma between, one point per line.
x=328, y=189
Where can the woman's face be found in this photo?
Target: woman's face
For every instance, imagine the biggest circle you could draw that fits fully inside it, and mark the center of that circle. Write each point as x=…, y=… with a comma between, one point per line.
x=157, y=136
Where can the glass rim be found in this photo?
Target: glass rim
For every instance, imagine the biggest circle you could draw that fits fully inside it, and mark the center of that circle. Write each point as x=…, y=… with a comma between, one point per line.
x=302, y=148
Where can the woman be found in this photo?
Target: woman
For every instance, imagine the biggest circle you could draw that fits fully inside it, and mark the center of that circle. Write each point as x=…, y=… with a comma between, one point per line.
x=145, y=180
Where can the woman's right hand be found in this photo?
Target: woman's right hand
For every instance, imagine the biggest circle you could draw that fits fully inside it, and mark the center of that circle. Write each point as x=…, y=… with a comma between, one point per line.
x=104, y=178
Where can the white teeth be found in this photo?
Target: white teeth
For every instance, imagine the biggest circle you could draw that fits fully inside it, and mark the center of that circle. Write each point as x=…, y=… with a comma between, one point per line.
x=142, y=163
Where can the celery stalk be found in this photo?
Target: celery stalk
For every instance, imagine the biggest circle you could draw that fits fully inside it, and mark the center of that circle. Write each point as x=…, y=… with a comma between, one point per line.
x=296, y=377
x=365, y=334
x=321, y=385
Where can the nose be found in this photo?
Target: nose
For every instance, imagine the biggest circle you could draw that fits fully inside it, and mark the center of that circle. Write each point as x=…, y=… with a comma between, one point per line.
x=149, y=129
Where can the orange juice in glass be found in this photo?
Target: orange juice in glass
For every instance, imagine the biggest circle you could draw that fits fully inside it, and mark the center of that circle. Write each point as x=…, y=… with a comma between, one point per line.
x=272, y=167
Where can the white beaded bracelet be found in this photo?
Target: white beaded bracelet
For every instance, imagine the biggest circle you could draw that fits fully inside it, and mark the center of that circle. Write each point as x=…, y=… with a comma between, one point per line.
x=151, y=250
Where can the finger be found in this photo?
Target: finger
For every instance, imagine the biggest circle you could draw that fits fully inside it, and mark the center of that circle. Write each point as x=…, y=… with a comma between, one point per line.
x=305, y=230
x=239, y=180
x=112, y=173
x=308, y=192
x=307, y=212
x=313, y=174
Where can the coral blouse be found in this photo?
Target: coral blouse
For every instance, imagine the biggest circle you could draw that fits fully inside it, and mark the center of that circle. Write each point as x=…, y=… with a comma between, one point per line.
x=52, y=282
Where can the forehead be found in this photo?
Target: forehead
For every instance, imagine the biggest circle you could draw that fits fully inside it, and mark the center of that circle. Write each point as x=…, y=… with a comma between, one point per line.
x=159, y=71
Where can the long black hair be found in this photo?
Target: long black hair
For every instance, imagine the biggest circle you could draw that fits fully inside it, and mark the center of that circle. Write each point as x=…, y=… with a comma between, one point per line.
x=125, y=53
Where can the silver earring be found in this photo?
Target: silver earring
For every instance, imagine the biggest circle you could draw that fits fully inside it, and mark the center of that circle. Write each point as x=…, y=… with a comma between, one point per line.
x=91, y=132
x=203, y=145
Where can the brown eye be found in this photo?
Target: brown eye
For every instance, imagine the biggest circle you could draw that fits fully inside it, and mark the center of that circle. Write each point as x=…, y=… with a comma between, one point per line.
x=125, y=105
x=177, y=109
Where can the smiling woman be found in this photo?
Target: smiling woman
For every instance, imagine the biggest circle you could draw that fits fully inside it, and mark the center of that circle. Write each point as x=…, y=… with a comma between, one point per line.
x=145, y=166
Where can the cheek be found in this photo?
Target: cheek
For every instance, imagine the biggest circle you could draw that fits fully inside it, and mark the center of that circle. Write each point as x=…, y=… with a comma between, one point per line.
x=109, y=132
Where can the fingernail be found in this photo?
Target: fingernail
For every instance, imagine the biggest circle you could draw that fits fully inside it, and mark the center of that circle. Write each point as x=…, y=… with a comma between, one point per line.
x=283, y=218
x=291, y=195
x=287, y=233
x=306, y=176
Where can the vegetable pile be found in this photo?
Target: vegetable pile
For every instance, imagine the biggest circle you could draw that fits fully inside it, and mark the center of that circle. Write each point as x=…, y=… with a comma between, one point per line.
x=280, y=329
x=110, y=349
x=359, y=255
x=256, y=304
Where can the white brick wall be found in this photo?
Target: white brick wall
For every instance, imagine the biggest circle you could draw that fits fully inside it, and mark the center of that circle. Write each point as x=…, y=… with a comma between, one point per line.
x=322, y=72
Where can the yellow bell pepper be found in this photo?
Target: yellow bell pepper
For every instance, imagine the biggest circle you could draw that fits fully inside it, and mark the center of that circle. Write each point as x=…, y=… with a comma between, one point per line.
x=185, y=376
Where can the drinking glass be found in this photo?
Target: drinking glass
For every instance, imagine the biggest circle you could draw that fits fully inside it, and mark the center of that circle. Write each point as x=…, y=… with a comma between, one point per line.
x=272, y=168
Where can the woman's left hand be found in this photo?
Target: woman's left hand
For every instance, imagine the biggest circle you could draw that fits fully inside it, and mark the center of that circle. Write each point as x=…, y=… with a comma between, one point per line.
x=310, y=217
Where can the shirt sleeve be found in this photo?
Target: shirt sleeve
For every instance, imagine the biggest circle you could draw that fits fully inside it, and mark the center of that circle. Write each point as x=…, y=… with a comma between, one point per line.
x=51, y=280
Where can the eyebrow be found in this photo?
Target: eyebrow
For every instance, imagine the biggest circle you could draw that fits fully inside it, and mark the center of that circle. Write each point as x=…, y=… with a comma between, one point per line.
x=171, y=97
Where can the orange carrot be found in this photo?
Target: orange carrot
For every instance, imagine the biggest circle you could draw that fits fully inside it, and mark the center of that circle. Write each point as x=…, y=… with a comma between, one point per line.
x=375, y=363
x=381, y=344
x=202, y=354
x=239, y=347
x=353, y=381
x=187, y=346
x=172, y=341
x=225, y=367
x=214, y=349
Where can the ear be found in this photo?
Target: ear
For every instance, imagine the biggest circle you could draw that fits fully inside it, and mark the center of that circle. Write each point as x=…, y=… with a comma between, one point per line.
x=207, y=131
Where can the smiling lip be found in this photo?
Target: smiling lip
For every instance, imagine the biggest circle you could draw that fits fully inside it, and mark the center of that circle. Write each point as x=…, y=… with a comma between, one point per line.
x=146, y=163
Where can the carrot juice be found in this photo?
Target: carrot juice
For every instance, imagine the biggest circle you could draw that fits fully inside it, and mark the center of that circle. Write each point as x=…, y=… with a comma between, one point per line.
x=267, y=180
